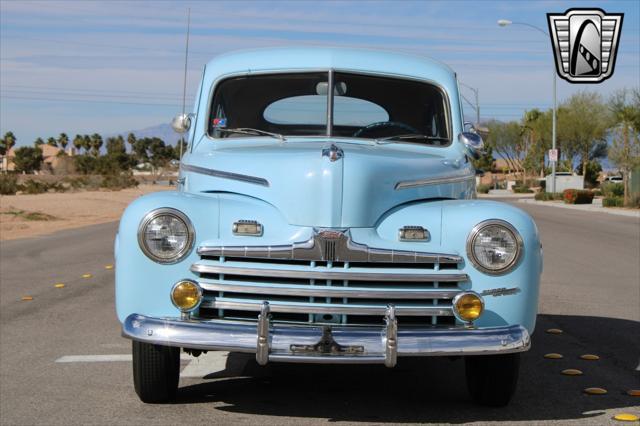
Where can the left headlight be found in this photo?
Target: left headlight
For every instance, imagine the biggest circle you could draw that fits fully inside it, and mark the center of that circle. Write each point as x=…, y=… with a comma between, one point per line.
x=166, y=235
x=494, y=247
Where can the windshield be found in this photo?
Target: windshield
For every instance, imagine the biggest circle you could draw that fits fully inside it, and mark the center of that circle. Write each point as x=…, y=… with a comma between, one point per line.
x=362, y=106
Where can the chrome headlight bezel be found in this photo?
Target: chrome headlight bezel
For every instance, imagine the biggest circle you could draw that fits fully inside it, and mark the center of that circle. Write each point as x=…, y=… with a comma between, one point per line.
x=519, y=243
x=176, y=214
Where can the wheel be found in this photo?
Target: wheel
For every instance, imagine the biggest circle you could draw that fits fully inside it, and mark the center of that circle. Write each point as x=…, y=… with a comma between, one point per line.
x=492, y=379
x=156, y=370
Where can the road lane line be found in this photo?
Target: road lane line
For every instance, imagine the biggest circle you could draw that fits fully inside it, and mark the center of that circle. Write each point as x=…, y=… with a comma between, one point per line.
x=211, y=362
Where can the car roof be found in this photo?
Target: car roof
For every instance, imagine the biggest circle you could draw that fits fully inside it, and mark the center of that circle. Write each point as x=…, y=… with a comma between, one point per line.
x=281, y=59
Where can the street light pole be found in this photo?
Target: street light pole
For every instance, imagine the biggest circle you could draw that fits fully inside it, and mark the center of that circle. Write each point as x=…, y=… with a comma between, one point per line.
x=504, y=23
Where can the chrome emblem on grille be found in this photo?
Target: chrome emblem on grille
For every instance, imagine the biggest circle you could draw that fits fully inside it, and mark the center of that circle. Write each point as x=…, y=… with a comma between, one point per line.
x=585, y=43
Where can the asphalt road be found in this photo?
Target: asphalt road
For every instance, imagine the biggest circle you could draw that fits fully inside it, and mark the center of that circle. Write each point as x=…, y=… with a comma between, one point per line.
x=590, y=290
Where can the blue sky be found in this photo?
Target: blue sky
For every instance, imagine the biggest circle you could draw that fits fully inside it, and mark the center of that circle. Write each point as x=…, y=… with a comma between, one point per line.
x=111, y=66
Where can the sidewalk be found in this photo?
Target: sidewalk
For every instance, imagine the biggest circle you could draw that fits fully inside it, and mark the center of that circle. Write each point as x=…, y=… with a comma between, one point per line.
x=585, y=207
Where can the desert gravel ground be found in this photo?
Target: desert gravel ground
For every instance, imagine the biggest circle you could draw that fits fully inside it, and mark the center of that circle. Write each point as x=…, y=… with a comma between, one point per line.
x=58, y=211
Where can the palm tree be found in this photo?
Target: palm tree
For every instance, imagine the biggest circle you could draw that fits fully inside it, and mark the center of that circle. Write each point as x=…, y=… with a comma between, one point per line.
x=38, y=142
x=86, y=144
x=96, y=144
x=131, y=139
x=7, y=142
x=78, y=142
x=63, y=140
x=52, y=142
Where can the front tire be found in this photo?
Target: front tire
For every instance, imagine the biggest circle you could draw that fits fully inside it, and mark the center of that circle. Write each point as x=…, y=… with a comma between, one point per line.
x=492, y=379
x=156, y=371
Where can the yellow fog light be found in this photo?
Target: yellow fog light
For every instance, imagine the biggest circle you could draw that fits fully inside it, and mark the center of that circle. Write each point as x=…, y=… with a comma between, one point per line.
x=186, y=295
x=468, y=306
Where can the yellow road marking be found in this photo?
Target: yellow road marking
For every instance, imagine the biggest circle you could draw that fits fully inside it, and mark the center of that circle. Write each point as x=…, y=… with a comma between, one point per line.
x=590, y=357
x=633, y=392
x=572, y=372
x=86, y=276
x=626, y=417
x=108, y=266
x=25, y=298
x=554, y=356
x=58, y=285
x=554, y=331
x=595, y=391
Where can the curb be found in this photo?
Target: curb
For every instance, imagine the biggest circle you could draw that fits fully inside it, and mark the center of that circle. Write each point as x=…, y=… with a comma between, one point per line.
x=584, y=208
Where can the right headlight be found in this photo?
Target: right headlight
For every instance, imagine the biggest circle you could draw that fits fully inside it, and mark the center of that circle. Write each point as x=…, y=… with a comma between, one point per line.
x=166, y=235
x=494, y=247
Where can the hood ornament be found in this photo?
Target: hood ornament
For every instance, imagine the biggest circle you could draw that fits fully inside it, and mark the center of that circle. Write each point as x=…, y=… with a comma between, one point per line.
x=333, y=153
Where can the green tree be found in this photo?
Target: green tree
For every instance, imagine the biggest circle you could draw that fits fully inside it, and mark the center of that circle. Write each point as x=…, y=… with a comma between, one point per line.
x=131, y=140
x=78, y=142
x=52, y=142
x=63, y=141
x=585, y=124
x=38, y=142
x=505, y=139
x=95, y=144
x=28, y=159
x=7, y=142
x=537, y=138
x=86, y=144
x=625, y=148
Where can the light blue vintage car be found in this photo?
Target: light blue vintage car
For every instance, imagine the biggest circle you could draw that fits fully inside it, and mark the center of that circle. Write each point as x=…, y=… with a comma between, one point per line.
x=326, y=213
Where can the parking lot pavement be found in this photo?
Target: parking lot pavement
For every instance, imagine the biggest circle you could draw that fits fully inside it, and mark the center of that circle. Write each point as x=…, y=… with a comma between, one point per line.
x=62, y=360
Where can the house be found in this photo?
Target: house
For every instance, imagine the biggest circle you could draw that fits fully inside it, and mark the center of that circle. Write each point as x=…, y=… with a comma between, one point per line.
x=52, y=160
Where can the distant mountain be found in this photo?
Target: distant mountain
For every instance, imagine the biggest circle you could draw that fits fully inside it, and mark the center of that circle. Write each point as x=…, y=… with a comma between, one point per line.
x=162, y=131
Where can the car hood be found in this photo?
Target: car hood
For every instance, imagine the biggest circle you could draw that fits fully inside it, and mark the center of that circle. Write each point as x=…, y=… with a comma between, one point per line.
x=310, y=189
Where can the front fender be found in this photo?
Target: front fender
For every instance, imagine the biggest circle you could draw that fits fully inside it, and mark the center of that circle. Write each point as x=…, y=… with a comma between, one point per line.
x=142, y=285
x=458, y=219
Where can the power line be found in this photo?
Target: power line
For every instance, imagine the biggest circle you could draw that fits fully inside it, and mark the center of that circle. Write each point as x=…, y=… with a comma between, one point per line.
x=89, y=101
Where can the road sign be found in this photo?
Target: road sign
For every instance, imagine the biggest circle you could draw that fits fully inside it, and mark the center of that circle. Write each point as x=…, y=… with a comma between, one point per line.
x=553, y=155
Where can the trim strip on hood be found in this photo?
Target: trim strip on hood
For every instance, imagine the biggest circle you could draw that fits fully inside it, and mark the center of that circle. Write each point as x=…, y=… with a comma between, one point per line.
x=225, y=175
x=432, y=181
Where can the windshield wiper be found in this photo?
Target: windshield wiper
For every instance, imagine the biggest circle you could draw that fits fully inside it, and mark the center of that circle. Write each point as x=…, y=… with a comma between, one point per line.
x=250, y=131
x=410, y=136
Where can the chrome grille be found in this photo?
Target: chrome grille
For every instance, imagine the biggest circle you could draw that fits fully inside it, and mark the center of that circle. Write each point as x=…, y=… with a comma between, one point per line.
x=303, y=291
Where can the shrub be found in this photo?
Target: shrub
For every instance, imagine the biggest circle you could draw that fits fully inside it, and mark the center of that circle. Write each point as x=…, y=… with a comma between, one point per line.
x=483, y=189
x=612, y=189
x=577, y=196
x=612, y=202
x=34, y=187
x=596, y=192
x=119, y=181
x=548, y=196
x=8, y=184
x=522, y=190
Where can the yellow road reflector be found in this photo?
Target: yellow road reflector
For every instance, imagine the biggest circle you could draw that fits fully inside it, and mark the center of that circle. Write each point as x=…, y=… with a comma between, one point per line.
x=59, y=285
x=626, y=417
x=572, y=372
x=86, y=276
x=108, y=266
x=554, y=331
x=554, y=356
x=633, y=392
x=25, y=298
x=595, y=391
x=590, y=357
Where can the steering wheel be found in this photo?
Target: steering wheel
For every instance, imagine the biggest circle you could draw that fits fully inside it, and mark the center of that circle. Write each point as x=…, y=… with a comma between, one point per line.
x=384, y=126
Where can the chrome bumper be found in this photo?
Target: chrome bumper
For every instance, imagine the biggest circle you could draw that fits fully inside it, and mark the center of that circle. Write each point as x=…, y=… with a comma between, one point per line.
x=318, y=344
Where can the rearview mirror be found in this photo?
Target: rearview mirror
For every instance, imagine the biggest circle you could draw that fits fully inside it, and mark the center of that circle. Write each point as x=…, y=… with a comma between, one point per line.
x=181, y=123
x=473, y=143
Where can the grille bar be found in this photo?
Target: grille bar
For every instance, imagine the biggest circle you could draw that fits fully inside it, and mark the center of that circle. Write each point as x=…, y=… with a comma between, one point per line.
x=326, y=308
x=327, y=274
x=328, y=291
